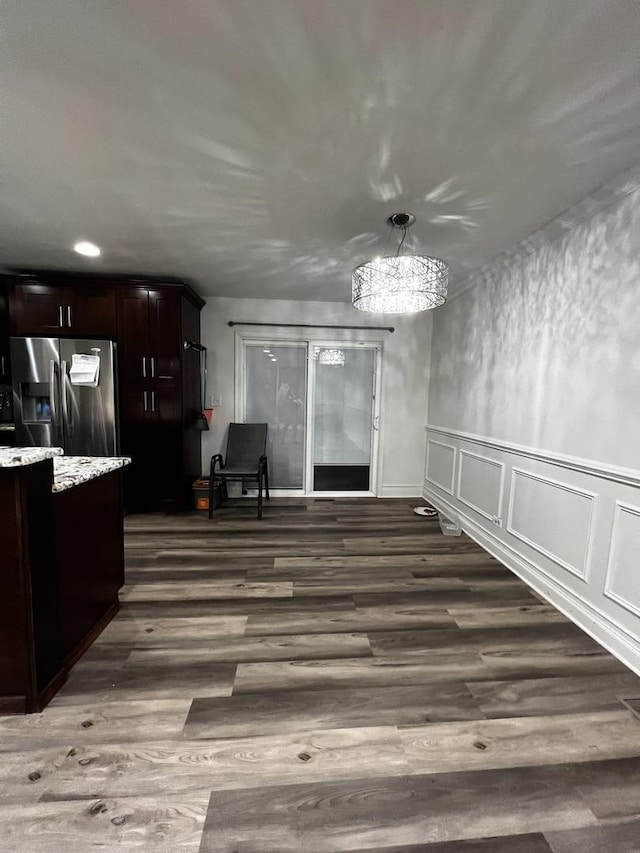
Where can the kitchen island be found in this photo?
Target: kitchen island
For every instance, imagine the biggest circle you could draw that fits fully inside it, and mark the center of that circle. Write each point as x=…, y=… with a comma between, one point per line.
x=61, y=566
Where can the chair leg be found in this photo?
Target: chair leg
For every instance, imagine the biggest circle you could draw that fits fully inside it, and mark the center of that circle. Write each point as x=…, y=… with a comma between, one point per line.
x=225, y=491
x=212, y=497
x=260, y=494
x=266, y=480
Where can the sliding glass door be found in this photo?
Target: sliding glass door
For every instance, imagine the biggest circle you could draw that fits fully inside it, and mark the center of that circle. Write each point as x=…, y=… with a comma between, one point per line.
x=320, y=400
x=344, y=392
x=276, y=393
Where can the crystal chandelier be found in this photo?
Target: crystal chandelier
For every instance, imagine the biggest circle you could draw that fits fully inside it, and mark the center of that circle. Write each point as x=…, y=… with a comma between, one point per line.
x=334, y=357
x=400, y=284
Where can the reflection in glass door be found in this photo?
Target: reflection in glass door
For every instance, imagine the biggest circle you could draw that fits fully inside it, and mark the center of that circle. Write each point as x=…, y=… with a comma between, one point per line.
x=344, y=394
x=275, y=393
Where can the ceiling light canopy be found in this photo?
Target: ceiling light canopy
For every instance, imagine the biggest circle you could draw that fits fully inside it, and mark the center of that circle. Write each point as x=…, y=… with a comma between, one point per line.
x=400, y=284
x=84, y=247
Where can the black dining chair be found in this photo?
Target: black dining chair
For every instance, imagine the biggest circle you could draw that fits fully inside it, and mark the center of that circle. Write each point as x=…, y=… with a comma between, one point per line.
x=244, y=461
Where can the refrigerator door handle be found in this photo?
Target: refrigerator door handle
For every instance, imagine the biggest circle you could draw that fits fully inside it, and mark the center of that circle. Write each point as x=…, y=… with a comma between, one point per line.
x=60, y=316
x=53, y=395
x=144, y=397
x=67, y=423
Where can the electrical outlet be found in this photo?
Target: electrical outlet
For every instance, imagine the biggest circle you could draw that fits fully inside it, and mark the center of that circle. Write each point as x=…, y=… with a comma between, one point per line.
x=214, y=402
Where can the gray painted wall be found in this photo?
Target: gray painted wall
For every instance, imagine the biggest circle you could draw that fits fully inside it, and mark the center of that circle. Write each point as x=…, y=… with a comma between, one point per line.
x=546, y=352
x=405, y=374
x=533, y=443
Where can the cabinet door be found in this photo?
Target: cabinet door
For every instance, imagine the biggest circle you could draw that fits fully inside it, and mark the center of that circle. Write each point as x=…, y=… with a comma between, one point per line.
x=165, y=432
x=164, y=463
x=164, y=334
x=134, y=392
x=92, y=312
x=39, y=309
x=134, y=442
x=133, y=335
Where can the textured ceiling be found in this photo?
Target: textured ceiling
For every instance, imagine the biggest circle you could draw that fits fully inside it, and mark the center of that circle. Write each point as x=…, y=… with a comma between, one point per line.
x=257, y=146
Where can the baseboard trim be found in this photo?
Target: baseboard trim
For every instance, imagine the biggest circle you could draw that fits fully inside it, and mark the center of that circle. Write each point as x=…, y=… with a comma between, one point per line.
x=12, y=705
x=612, y=637
x=403, y=491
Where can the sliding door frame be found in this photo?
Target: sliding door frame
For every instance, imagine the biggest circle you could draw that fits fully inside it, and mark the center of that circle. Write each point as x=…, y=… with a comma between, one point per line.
x=289, y=337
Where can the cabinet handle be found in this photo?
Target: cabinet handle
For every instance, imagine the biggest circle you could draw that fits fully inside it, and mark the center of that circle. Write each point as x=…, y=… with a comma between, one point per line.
x=153, y=401
x=153, y=367
x=2, y=368
x=60, y=316
x=144, y=397
x=69, y=316
x=144, y=368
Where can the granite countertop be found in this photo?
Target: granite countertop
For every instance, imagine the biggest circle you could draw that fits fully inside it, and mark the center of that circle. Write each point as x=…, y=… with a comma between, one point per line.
x=16, y=457
x=70, y=471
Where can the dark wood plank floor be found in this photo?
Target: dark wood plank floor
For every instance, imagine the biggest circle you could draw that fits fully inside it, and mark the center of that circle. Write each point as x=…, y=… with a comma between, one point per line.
x=338, y=676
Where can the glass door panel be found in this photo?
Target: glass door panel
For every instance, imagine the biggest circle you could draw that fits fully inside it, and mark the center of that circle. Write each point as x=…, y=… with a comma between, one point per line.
x=343, y=412
x=275, y=393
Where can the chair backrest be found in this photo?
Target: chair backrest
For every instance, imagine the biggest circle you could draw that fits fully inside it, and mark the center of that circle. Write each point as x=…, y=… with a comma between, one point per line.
x=246, y=443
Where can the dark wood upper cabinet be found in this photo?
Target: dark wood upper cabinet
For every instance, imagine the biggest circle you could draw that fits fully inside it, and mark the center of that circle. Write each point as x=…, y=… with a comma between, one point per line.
x=165, y=334
x=91, y=311
x=133, y=335
x=79, y=310
x=38, y=309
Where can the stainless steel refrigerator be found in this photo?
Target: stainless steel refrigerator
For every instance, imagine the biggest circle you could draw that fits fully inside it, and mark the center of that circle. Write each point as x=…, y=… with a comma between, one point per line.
x=51, y=409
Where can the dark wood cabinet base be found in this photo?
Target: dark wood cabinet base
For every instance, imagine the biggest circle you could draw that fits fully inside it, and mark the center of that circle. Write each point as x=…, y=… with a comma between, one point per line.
x=30, y=705
x=61, y=567
x=48, y=692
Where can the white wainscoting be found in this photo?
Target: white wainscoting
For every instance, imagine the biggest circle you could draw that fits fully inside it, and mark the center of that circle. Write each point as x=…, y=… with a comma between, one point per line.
x=553, y=517
x=621, y=580
x=441, y=464
x=481, y=484
x=568, y=527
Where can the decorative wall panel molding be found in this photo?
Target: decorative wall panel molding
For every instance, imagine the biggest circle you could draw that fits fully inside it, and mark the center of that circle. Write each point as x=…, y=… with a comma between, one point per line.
x=480, y=484
x=554, y=518
x=626, y=476
x=621, y=580
x=441, y=463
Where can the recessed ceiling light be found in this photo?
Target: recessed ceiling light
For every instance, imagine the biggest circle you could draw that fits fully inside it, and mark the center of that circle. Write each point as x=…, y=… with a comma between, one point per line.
x=274, y=359
x=267, y=351
x=84, y=247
